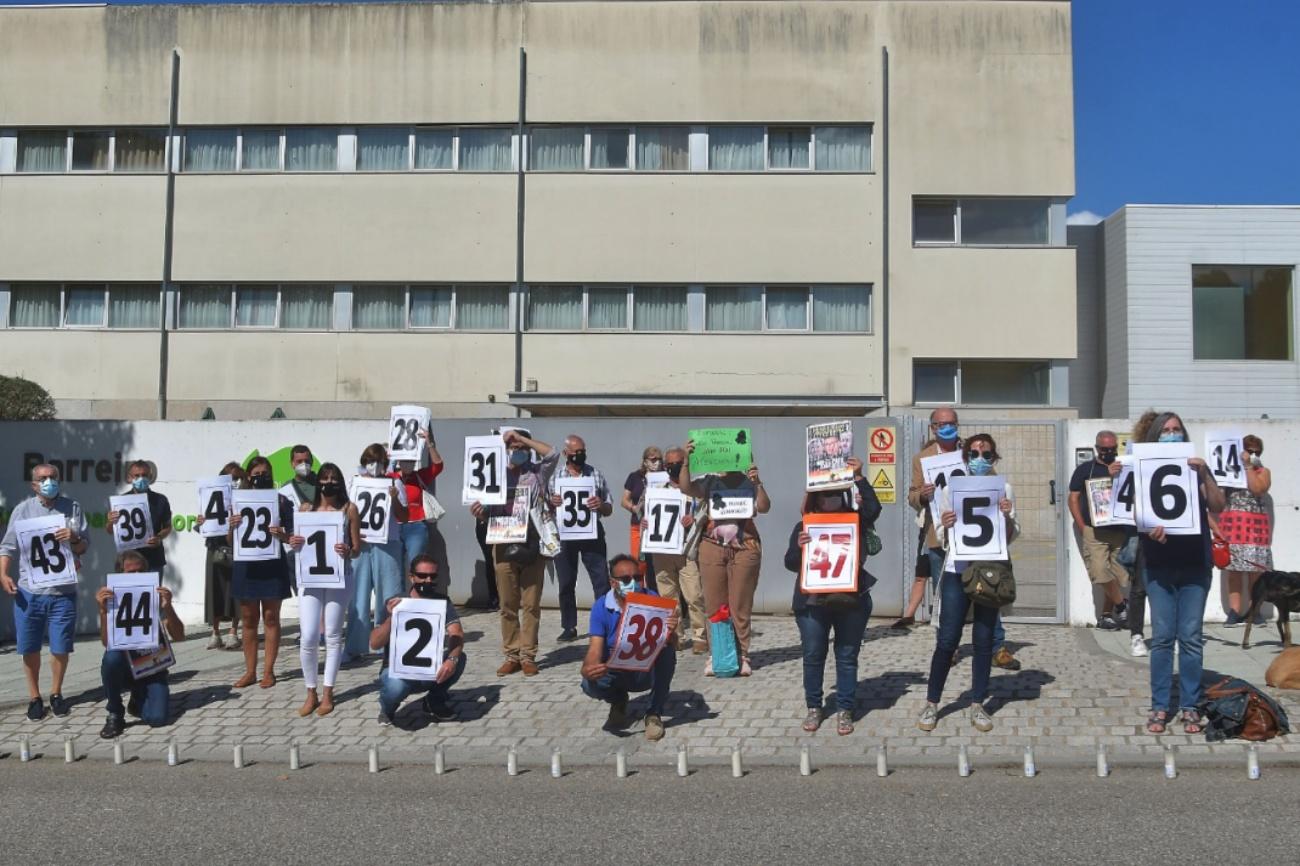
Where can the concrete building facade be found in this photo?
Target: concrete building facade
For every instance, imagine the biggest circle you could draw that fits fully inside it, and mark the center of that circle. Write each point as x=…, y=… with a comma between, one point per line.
x=852, y=206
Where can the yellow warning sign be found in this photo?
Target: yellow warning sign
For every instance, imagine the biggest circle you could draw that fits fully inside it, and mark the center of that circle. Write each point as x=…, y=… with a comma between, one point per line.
x=884, y=482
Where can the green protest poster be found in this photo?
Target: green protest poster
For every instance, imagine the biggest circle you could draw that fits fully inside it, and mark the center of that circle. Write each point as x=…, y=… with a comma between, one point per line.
x=721, y=449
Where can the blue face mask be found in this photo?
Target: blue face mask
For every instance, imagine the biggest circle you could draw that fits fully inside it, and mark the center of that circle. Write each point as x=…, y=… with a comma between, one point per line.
x=519, y=459
x=626, y=586
x=49, y=488
x=979, y=466
x=140, y=485
x=947, y=432
x=1172, y=437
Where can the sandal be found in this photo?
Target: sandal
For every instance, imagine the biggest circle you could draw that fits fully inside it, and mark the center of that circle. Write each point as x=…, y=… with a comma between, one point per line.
x=1157, y=722
x=1192, y=722
x=844, y=723
x=245, y=681
x=814, y=720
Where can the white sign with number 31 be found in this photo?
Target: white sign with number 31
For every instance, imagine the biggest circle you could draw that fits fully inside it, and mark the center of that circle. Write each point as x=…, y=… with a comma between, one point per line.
x=485, y=471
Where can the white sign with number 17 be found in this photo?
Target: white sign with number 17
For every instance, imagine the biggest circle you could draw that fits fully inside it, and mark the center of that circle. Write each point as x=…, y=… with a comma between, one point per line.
x=663, y=513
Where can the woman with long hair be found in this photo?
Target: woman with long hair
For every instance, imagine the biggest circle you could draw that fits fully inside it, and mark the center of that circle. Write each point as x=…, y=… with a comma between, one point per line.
x=219, y=602
x=379, y=569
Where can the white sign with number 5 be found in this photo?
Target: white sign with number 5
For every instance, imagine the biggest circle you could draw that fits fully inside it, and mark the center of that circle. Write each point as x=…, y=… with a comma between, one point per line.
x=44, y=560
x=404, y=426
x=259, y=511
x=214, y=505
x=133, y=611
x=642, y=632
x=664, y=510
x=485, y=470
x=134, y=525
x=981, y=530
x=1224, y=454
x=577, y=520
x=1168, y=489
x=938, y=469
x=374, y=500
x=416, y=638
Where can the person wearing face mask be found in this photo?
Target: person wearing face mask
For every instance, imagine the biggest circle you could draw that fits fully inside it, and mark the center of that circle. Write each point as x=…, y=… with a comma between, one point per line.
x=262, y=586
x=42, y=613
x=1176, y=571
x=1100, y=546
x=981, y=454
x=219, y=601
x=378, y=573
x=392, y=691
x=591, y=552
x=845, y=613
x=519, y=578
x=304, y=476
x=317, y=606
x=139, y=476
x=414, y=530
x=615, y=686
x=634, y=492
x=1249, y=559
x=731, y=553
x=677, y=576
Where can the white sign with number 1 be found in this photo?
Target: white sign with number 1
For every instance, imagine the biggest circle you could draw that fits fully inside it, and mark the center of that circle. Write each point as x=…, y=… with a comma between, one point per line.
x=319, y=564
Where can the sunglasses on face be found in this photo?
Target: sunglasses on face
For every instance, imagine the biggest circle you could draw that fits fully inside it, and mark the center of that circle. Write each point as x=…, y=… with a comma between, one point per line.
x=1254, y=453
x=1107, y=450
x=425, y=575
x=987, y=455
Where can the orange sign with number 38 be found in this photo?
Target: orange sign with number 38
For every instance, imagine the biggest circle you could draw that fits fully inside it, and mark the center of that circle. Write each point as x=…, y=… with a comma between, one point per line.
x=642, y=632
x=830, y=558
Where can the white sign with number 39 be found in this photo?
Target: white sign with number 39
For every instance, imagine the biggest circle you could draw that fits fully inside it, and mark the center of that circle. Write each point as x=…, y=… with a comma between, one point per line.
x=133, y=611
x=416, y=638
x=981, y=530
x=1224, y=454
x=642, y=632
x=134, y=525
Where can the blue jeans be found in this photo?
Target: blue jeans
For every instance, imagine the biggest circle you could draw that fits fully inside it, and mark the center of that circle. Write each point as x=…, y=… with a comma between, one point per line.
x=815, y=624
x=415, y=540
x=149, y=694
x=593, y=555
x=937, y=557
x=1177, y=597
x=393, y=691
x=952, y=619
x=617, y=685
x=377, y=572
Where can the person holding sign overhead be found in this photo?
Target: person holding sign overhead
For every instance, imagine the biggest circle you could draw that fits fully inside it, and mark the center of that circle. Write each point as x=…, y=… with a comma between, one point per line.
x=393, y=689
x=149, y=693
x=261, y=585
x=570, y=510
x=43, y=608
x=621, y=656
x=331, y=498
x=379, y=566
x=417, y=481
x=1249, y=534
x=731, y=552
x=981, y=455
x=817, y=613
x=219, y=601
x=1176, y=567
x=519, y=566
x=140, y=475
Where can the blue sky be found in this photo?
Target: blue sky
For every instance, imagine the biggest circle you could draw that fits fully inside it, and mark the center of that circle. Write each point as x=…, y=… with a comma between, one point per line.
x=1183, y=102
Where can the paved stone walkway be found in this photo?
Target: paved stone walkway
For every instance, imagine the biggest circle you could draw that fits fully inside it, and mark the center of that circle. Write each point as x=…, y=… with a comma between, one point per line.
x=1071, y=694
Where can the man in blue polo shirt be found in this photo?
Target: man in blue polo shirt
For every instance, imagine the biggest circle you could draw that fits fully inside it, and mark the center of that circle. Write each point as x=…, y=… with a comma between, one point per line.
x=614, y=686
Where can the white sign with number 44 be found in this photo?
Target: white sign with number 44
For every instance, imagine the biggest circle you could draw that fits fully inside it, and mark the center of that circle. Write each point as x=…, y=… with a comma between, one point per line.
x=133, y=611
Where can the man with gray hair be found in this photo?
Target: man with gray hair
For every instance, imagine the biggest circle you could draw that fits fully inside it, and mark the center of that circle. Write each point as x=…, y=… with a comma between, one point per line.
x=42, y=613
x=1100, y=546
x=592, y=552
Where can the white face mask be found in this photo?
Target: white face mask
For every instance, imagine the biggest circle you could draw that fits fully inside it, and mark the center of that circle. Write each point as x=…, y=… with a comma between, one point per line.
x=302, y=469
x=372, y=469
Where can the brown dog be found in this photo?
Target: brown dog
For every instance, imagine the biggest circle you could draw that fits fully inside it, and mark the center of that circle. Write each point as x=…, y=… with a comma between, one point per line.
x=1282, y=590
x=1284, y=672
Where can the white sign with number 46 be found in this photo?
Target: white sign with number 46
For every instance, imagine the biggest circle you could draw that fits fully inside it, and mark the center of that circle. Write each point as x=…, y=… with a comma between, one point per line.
x=1168, y=488
x=133, y=611
x=416, y=638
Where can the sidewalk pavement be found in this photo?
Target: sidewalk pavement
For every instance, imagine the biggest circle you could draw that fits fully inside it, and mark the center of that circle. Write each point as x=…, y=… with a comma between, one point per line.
x=1078, y=688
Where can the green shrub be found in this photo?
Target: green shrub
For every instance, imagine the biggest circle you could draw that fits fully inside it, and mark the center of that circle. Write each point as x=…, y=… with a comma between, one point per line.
x=24, y=400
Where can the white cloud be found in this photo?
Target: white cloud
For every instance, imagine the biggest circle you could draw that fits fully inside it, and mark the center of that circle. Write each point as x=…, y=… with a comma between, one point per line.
x=1083, y=218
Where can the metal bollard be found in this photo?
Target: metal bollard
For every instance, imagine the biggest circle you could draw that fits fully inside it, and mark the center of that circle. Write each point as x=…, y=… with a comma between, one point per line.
x=557, y=764
x=239, y=756
x=620, y=763
x=1103, y=764
x=439, y=760
x=119, y=756
x=737, y=764
x=1031, y=768
x=25, y=748
x=374, y=758
x=683, y=765
x=1252, y=762
x=173, y=754
x=512, y=761
x=294, y=757
x=882, y=761
x=963, y=761
x=805, y=760
x=69, y=751
x=1171, y=767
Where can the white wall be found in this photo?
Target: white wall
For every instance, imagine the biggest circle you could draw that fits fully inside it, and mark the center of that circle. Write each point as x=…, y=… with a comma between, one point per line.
x=1281, y=455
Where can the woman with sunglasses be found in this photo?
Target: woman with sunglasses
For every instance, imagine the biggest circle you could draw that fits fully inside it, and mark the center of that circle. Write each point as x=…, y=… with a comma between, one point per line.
x=981, y=454
x=331, y=495
x=1252, y=558
x=261, y=586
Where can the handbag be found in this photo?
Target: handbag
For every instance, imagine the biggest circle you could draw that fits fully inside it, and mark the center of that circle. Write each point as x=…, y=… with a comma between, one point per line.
x=1220, y=553
x=871, y=542
x=989, y=583
x=433, y=510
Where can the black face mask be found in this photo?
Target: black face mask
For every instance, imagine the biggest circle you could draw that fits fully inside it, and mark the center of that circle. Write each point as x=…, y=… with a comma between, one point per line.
x=578, y=458
x=261, y=482
x=1107, y=457
x=426, y=590
x=673, y=469
x=331, y=489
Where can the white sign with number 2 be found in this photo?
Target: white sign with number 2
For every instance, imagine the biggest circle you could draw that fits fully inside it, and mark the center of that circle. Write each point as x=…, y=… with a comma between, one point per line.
x=416, y=637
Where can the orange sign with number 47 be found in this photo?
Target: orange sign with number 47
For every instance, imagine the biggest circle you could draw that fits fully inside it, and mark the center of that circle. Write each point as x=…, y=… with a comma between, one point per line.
x=642, y=632
x=830, y=558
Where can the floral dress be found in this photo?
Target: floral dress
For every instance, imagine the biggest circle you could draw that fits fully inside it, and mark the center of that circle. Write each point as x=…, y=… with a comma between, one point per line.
x=1256, y=556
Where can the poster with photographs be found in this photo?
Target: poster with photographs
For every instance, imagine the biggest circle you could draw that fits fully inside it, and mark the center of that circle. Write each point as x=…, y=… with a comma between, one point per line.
x=1099, y=493
x=830, y=446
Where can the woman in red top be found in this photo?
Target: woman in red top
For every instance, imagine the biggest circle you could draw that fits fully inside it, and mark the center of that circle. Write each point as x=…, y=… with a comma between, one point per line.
x=415, y=532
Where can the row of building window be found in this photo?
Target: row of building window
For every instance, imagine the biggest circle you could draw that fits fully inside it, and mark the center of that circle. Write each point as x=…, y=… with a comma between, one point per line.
x=386, y=307
x=729, y=148
x=971, y=383
x=981, y=221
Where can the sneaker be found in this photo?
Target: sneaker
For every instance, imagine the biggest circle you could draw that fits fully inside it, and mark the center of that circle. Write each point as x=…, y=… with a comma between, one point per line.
x=1138, y=646
x=440, y=711
x=529, y=667
x=569, y=634
x=215, y=642
x=654, y=728
x=1107, y=622
x=36, y=710
x=813, y=720
x=1121, y=614
x=979, y=717
x=1234, y=620
x=617, y=714
x=708, y=667
x=510, y=667
x=1005, y=660
x=929, y=717
x=1260, y=619
x=132, y=708
x=385, y=721
x=233, y=642
x=113, y=727
x=903, y=622
x=59, y=706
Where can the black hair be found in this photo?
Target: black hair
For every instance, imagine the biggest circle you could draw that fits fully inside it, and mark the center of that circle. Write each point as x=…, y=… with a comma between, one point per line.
x=421, y=559
x=623, y=557
x=343, y=487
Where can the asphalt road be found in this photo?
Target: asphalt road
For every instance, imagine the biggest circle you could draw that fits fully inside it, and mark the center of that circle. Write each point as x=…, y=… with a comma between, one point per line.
x=144, y=812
